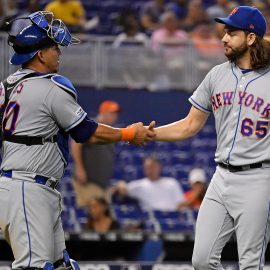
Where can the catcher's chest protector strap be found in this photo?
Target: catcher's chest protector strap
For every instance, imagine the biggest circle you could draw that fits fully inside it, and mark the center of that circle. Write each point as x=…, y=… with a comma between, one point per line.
x=28, y=140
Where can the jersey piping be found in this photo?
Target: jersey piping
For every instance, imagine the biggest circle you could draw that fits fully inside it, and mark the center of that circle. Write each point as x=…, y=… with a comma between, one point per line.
x=198, y=106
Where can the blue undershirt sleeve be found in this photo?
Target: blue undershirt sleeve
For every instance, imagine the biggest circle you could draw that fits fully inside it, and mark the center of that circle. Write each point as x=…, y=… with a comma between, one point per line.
x=84, y=130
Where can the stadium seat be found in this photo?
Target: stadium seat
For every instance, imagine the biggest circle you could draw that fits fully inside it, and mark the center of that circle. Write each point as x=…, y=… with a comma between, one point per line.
x=128, y=215
x=81, y=216
x=172, y=221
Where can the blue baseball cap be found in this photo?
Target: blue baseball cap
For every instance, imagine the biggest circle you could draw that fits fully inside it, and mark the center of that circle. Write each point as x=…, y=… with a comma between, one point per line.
x=246, y=18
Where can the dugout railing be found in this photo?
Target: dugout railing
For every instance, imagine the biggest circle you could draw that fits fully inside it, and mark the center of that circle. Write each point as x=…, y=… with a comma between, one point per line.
x=96, y=62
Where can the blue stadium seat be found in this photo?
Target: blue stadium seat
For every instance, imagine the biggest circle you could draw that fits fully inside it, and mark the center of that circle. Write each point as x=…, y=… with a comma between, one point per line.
x=164, y=157
x=182, y=171
x=131, y=172
x=166, y=214
x=65, y=218
x=172, y=221
x=149, y=222
x=125, y=200
x=169, y=171
x=170, y=225
x=128, y=215
x=183, y=145
x=81, y=216
x=125, y=157
x=70, y=221
x=182, y=157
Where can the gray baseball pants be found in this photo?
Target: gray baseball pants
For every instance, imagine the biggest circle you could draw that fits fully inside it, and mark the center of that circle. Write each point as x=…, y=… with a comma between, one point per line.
x=235, y=202
x=30, y=221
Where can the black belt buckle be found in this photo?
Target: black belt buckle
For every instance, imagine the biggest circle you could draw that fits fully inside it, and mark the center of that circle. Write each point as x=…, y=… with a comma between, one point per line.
x=52, y=139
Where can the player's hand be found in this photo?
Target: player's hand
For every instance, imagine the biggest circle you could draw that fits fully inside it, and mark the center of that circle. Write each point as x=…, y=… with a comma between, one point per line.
x=142, y=134
x=151, y=128
x=80, y=176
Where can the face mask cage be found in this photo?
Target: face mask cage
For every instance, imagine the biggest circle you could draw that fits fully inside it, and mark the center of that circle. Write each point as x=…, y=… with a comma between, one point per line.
x=55, y=28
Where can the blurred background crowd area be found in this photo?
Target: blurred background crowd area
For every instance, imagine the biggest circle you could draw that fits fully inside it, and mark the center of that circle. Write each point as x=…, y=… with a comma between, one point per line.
x=155, y=188
x=157, y=45
x=163, y=46
x=141, y=19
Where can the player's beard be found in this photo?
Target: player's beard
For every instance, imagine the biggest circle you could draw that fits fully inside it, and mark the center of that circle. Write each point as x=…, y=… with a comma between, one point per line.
x=236, y=53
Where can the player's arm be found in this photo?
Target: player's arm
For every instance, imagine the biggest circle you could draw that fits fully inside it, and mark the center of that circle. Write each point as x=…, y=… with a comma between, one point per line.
x=136, y=133
x=63, y=107
x=107, y=134
x=184, y=128
x=79, y=170
x=90, y=131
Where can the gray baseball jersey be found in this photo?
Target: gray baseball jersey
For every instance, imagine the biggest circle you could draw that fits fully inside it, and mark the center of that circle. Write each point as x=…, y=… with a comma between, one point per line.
x=41, y=105
x=241, y=106
x=38, y=107
x=236, y=201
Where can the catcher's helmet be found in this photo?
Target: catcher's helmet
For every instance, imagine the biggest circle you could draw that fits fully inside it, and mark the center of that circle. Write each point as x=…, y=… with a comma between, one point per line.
x=44, y=32
x=27, y=43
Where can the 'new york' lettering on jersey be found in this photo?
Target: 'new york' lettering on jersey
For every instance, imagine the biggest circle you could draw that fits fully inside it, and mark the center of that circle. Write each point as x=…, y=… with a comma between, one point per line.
x=241, y=105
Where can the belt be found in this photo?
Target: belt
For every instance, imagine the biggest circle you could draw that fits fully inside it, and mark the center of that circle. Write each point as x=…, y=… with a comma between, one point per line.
x=39, y=179
x=29, y=140
x=232, y=168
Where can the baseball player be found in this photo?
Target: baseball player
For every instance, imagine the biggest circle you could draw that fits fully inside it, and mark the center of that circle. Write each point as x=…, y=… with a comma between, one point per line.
x=237, y=93
x=40, y=112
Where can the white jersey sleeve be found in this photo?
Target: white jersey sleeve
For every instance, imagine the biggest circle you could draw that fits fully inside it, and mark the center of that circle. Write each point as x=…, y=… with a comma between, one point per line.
x=64, y=109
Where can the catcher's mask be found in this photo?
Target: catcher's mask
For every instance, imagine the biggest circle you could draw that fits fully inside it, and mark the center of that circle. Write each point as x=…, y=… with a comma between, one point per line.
x=44, y=31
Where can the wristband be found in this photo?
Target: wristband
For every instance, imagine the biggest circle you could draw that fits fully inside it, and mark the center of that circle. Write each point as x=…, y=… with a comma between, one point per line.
x=127, y=134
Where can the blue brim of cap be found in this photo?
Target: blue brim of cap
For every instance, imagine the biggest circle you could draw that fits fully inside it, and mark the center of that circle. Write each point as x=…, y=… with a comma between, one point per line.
x=19, y=59
x=227, y=21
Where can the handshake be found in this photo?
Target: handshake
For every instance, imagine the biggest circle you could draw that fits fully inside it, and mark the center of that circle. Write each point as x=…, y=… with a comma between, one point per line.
x=142, y=133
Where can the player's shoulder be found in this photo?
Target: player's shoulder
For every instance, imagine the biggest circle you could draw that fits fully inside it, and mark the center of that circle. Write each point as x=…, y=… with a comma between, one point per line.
x=65, y=84
x=20, y=76
x=222, y=67
x=219, y=71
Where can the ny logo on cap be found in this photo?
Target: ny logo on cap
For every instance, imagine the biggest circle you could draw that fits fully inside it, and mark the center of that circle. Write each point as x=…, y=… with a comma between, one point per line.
x=251, y=26
x=234, y=11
